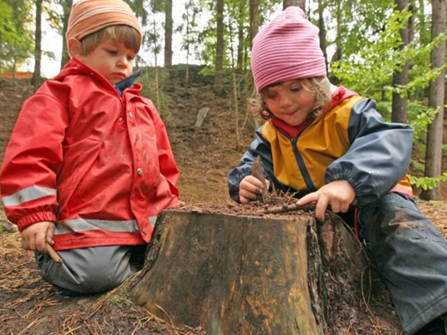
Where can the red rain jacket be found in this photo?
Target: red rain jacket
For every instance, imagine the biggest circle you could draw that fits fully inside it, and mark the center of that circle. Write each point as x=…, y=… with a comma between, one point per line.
x=98, y=165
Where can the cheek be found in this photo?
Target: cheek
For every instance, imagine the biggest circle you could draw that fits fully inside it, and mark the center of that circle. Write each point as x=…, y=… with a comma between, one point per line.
x=271, y=105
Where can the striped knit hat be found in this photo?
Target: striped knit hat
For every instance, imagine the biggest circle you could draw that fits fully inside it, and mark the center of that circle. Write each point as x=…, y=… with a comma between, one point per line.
x=88, y=16
x=287, y=48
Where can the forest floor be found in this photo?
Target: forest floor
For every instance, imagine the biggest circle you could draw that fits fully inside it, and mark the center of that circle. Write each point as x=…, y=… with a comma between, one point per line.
x=204, y=155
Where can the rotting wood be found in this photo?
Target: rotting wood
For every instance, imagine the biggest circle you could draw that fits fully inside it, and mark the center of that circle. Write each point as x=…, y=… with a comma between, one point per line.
x=201, y=116
x=287, y=208
x=227, y=274
x=235, y=274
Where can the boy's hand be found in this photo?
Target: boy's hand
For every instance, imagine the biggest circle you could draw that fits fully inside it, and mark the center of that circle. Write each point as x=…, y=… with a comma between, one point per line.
x=339, y=195
x=35, y=237
x=249, y=187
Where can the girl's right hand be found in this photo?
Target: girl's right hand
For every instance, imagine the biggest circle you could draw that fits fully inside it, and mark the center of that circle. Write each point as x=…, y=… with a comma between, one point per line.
x=35, y=236
x=249, y=187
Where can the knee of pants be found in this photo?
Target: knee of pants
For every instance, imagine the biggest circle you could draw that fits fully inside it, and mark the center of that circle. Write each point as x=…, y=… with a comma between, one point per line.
x=101, y=278
x=392, y=214
x=85, y=275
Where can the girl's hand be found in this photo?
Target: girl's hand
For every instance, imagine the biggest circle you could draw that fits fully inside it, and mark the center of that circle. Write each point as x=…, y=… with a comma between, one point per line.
x=249, y=187
x=35, y=237
x=339, y=195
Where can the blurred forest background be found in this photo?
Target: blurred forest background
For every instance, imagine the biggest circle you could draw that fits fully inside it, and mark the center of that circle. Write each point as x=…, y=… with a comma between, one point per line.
x=392, y=51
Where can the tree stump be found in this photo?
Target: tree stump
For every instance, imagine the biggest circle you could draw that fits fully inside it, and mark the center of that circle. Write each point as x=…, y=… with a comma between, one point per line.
x=257, y=274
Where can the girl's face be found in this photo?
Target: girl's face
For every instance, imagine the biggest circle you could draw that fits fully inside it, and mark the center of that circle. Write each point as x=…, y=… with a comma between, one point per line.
x=290, y=101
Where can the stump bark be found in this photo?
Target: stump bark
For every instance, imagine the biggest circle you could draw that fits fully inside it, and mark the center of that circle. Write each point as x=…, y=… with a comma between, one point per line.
x=269, y=274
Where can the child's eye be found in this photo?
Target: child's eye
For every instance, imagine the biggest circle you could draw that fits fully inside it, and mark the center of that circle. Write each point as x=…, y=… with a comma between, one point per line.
x=270, y=94
x=130, y=58
x=295, y=89
x=112, y=52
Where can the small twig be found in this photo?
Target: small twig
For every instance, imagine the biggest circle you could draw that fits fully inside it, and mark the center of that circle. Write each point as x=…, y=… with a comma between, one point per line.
x=258, y=172
x=288, y=208
x=53, y=254
x=170, y=320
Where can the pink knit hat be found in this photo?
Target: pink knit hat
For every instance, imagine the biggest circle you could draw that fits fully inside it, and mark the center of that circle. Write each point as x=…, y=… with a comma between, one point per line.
x=88, y=16
x=287, y=48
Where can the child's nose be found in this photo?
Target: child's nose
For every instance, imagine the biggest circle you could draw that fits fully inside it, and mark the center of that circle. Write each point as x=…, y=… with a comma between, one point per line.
x=285, y=101
x=123, y=62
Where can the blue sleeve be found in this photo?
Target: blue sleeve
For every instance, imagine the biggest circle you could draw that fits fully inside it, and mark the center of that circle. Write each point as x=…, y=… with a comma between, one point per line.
x=379, y=155
x=259, y=147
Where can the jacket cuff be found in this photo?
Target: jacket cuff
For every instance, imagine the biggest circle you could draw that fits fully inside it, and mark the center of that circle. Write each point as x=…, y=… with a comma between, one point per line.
x=28, y=220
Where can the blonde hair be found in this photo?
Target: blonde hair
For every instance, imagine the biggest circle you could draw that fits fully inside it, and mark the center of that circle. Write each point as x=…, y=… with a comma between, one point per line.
x=121, y=33
x=318, y=85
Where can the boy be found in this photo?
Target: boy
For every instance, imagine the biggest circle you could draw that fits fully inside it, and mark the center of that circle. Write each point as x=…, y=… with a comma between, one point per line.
x=89, y=164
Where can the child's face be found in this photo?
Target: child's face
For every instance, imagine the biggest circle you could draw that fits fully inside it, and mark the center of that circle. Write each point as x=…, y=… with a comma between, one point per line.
x=111, y=59
x=290, y=101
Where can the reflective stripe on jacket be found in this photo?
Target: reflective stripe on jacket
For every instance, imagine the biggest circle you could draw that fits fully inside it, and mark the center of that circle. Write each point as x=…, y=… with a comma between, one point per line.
x=98, y=165
x=349, y=142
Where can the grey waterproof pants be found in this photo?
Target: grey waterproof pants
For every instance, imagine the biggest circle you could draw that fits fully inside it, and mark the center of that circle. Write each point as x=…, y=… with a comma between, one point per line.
x=89, y=270
x=411, y=256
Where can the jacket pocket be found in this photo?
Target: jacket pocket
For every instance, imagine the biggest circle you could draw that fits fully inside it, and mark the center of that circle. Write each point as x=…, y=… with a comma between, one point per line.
x=78, y=161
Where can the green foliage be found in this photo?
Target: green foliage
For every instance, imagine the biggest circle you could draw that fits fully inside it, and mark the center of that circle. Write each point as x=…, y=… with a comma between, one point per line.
x=416, y=166
x=189, y=29
x=6, y=21
x=419, y=115
x=428, y=183
x=371, y=67
x=365, y=18
x=236, y=20
x=16, y=38
x=54, y=18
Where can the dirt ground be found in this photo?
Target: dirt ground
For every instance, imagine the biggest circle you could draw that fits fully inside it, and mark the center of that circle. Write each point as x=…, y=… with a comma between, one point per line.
x=204, y=156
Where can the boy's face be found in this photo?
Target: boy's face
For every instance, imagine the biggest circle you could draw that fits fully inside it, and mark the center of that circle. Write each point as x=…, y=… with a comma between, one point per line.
x=111, y=59
x=290, y=101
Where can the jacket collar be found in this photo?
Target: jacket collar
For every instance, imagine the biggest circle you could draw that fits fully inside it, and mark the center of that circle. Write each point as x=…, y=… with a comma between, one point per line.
x=77, y=67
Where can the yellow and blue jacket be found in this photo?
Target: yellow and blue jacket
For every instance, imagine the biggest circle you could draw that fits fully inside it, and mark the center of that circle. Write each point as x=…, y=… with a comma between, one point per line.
x=350, y=141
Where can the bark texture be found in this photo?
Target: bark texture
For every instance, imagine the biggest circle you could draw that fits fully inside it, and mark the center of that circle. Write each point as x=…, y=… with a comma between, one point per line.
x=270, y=274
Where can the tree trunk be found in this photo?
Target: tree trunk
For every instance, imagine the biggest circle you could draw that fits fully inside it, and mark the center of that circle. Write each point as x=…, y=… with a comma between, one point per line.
x=433, y=157
x=219, y=47
x=66, y=5
x=277, y=274
x=298, y=3
x=400, y=77
x=322, y=32
x=35, y=80
x=338, y=38
x=168, y=33
x=254, y=20
x=411, y=27
x=240, y=39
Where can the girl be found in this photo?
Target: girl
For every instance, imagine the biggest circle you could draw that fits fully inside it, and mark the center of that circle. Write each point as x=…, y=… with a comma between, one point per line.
x=332, y=147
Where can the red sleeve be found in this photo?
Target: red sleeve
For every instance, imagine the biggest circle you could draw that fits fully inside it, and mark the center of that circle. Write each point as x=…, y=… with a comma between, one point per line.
x=33, y=158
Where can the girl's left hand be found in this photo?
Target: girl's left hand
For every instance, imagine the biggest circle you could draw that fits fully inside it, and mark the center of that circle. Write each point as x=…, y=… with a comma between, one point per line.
x=339, y=195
